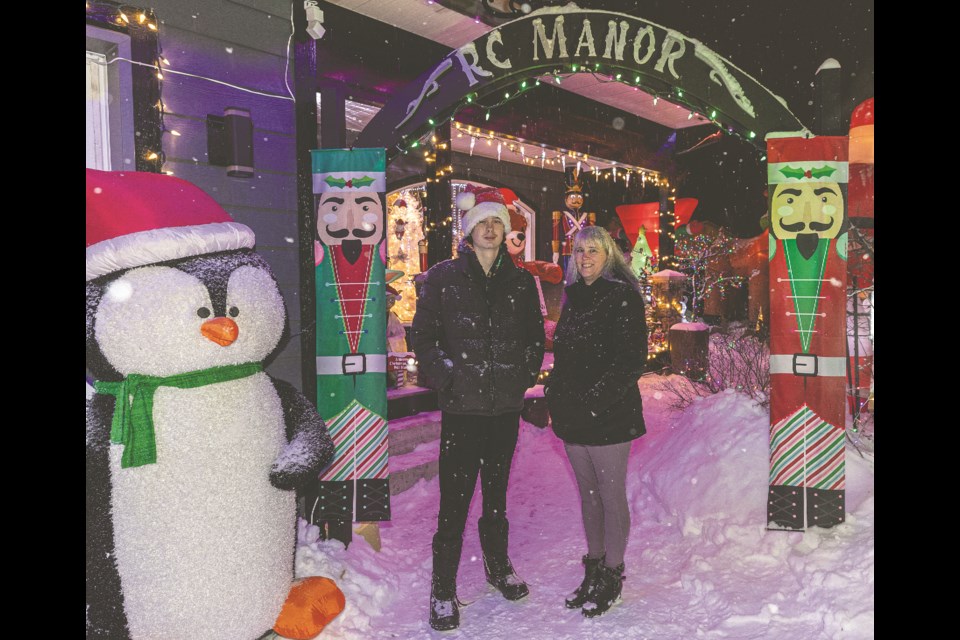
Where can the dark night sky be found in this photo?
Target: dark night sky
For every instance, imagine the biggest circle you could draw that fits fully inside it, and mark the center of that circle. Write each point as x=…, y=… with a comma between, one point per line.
x=781, y=44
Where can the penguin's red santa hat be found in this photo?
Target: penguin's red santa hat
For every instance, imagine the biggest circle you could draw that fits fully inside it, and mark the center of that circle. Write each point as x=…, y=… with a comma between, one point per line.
x=137, y=218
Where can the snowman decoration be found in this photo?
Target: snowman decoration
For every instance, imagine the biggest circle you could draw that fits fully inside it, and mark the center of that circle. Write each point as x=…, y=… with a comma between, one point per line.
x=192, y=450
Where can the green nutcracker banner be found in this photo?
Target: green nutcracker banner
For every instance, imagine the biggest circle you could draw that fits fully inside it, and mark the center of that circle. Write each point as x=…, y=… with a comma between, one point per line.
x=349, y=255
x=807, y=180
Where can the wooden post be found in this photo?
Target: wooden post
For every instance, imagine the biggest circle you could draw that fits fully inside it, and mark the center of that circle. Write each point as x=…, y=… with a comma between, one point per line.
x=439, y=205
x=305, y=89
x=690, y=349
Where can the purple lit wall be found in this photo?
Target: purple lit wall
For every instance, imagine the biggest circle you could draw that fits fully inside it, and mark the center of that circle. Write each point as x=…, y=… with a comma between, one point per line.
x=243, y=44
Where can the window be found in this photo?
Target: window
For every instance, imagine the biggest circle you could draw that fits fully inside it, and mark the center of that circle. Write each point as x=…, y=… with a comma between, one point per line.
x=110, y=131
x=356, y=115
x=98, y=126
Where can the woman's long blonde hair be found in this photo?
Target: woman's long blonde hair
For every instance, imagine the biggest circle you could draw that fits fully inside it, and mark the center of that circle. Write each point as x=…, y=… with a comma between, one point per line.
x=614, y=268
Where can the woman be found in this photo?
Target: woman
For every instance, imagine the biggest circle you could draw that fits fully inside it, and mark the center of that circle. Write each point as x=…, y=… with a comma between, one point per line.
x=599, y=348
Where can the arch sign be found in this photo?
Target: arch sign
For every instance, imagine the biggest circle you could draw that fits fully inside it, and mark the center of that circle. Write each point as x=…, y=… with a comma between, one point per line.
x=566, y=40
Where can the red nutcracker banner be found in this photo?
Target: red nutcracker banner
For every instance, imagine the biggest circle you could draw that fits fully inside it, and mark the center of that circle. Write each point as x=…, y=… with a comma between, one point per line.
x=808, y=278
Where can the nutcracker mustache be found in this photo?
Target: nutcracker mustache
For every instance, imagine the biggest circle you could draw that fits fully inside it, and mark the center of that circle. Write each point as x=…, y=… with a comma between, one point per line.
x=800, y=226
x=357, y=233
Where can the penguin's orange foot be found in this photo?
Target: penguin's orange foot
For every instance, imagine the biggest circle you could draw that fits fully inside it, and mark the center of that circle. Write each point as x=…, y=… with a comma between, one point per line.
x=311, y=604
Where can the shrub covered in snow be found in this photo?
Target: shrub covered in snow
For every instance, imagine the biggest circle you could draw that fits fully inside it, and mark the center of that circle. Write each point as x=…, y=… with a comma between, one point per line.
x=739, y=360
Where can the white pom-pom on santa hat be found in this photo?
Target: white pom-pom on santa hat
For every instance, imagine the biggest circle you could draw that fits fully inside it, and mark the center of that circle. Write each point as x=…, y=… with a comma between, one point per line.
x=466, y=199
x=480, y=203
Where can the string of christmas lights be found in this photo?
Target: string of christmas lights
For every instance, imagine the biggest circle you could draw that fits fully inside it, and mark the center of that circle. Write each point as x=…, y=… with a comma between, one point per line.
x=545, y=155
x=130, y=19
x=699, y=256
x=405, y=223
x=127, y=17
x=675, y=95
x=664, y=309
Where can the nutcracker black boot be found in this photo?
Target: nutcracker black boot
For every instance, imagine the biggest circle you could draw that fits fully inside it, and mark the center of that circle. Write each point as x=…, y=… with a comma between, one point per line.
x=582, y=593
x=496, y=563
x=444, y=606
x=606, y=592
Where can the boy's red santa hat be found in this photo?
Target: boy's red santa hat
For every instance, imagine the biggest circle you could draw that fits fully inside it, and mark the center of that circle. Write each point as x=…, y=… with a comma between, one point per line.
x=480, y=203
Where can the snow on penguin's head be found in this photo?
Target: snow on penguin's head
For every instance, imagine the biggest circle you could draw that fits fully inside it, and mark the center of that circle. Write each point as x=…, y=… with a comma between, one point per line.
x=173, y=284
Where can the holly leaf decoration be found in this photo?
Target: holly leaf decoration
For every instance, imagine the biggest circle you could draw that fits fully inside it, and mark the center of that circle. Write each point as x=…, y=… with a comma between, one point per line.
x=363, y=182
x=790, y=172
x=822, y=172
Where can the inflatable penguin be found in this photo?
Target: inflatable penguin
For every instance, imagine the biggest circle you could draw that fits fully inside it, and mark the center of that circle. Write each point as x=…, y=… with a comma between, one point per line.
x=192, y=449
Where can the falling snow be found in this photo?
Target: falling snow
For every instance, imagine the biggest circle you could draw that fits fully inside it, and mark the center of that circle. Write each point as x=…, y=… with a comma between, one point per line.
x=700, y=562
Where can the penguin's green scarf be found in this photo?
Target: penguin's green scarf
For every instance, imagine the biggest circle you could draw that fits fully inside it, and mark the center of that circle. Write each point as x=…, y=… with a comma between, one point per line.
x=132, y=424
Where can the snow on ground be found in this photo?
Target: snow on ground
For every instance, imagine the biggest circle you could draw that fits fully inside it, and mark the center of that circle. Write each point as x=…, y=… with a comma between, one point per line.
x=700, y=562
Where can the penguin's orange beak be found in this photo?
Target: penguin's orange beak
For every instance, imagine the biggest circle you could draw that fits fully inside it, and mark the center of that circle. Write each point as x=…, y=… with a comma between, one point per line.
x=223, y=331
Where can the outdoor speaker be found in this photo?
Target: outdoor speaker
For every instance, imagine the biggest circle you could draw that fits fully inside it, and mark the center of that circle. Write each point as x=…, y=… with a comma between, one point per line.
x=230, y=141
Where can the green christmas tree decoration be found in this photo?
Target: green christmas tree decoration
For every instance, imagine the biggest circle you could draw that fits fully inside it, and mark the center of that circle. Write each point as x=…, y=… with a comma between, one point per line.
x=641, y=257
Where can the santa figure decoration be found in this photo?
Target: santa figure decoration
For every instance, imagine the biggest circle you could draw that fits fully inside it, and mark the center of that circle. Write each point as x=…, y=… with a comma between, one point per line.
x=860, y=263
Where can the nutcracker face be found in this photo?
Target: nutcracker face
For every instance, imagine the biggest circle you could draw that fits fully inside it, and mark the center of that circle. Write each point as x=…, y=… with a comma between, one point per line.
x=807, y=212
x=804, y=208
x=574, y=200
x=350, y=218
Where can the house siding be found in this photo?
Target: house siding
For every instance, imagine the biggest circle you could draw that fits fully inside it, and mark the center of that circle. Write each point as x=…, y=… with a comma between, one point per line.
x=243, y=43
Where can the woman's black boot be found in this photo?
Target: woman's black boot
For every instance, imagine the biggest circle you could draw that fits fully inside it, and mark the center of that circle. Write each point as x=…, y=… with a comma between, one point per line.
x=590, y=567
x=609, y=585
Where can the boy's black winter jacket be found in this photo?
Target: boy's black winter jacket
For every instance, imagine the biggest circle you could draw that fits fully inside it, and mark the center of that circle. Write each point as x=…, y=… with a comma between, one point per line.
x=478, y=339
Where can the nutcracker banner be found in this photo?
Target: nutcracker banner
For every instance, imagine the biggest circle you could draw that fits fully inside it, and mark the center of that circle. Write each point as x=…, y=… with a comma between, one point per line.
x=349, y=255
x=807, y=180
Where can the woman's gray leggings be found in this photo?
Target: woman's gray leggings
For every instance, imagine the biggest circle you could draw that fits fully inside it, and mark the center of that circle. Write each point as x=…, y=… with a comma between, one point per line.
x=601, y=473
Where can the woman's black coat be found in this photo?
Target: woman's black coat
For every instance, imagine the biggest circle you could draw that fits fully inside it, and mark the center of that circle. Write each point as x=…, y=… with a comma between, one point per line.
x=479, y=340
x=599, y=349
